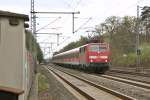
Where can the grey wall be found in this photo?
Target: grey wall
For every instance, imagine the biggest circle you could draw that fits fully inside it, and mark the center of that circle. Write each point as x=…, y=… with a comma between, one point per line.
x=12, y=54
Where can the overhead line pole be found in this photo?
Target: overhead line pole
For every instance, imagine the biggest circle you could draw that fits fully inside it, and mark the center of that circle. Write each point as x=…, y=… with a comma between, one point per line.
x=137, y=41
x=33, y=29
x=51, y=46
x=33, y=18
x=73, y=23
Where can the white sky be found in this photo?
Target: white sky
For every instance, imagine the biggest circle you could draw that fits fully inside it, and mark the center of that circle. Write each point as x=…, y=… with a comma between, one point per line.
x=97, y=10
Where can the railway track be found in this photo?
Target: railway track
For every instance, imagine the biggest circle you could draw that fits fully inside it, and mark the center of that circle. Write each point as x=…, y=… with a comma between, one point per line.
x=137, y=77
x=113, y=71
x=128, y=81
x=86, y=87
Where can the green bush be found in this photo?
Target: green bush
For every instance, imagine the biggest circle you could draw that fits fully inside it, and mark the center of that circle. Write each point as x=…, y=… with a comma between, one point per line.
x=145, y=54
x=42, y=82
x=130, y=59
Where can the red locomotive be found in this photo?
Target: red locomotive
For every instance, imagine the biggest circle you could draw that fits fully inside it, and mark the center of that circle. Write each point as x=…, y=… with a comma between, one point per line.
x=91, y=57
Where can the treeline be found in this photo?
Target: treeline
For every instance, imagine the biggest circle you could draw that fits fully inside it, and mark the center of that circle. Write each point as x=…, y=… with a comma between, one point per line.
x=115, y=30
x=33, y=47
x=121, y=33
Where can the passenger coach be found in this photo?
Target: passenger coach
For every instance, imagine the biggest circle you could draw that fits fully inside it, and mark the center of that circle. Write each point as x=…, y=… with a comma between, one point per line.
x=90, y=57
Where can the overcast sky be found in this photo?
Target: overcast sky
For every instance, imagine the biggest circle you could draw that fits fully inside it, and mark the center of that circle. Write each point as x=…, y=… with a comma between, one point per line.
x=92, y=12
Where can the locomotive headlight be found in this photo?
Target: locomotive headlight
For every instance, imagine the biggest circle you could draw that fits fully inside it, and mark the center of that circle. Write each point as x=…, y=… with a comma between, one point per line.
x=91, y=60
x=104, y=57
x=92, y=57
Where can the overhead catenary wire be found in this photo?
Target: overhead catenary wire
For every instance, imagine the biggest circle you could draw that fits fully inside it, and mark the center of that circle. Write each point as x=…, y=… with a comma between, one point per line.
x=48, y=24
x=133, y=5
x=68, y=4
x=88, y=19
x=140, y=1
x=73, y=8
x=129, y=7
x=83, y=25
x=75, y=31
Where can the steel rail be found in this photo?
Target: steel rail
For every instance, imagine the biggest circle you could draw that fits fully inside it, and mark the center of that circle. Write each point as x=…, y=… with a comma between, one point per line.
x=128, y=72
x=128, y=81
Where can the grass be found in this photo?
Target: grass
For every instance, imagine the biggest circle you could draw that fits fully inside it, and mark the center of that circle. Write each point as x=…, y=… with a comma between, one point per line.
x=145, y=55
x=42, y=82
x=128, y=60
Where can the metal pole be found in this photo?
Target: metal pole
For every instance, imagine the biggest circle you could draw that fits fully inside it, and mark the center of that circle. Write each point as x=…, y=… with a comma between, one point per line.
x=137, y=42
x=33, y=29
x=73, y=23
x=58, y=39
x=33, y=18
x=50, y=50
x=51, y=46
x=32, y=10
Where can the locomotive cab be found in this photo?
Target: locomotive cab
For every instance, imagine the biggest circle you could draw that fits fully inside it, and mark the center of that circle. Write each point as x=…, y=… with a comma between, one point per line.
x=98, y=56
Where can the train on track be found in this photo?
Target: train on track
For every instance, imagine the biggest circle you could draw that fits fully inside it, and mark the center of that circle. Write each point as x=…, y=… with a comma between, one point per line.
x=93, y=57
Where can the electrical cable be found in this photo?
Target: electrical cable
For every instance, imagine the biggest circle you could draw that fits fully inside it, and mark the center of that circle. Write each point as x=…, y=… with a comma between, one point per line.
x=48, y=24
x=83, y=25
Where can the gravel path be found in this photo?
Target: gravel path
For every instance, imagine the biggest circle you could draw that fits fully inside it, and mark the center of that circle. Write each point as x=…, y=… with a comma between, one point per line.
x=33, y=94
x=44, y=95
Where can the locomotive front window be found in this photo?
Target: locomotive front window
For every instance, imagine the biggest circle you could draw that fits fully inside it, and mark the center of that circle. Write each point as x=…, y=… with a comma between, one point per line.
x=95, y=48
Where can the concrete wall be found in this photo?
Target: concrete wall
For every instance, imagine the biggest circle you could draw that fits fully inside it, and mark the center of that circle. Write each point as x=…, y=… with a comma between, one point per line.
x=12, y=54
